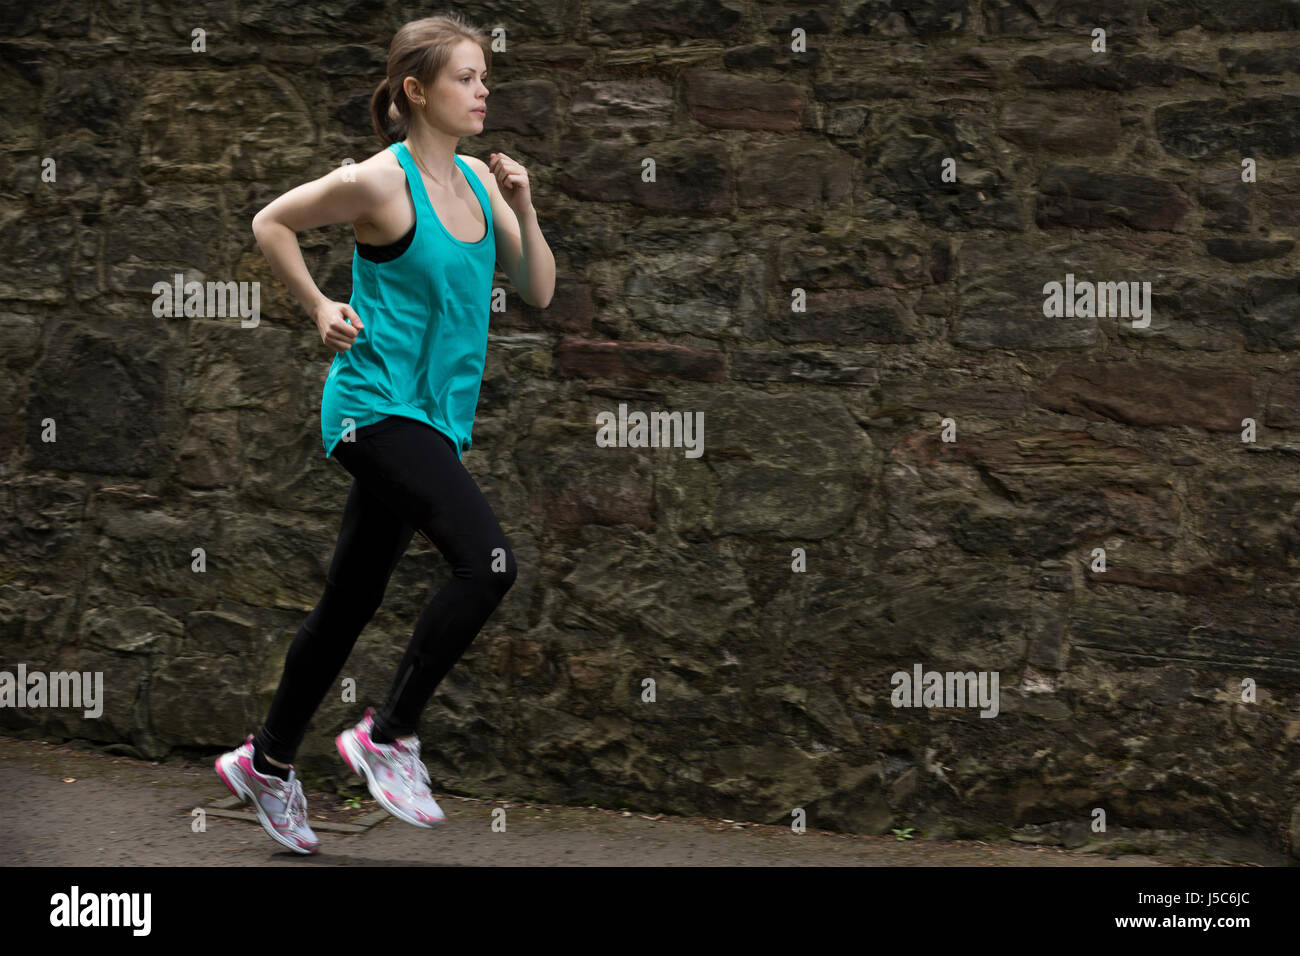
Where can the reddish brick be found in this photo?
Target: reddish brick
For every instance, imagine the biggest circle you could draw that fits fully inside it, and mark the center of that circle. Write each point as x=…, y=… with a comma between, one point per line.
x=740, y=102
x=1149, y=393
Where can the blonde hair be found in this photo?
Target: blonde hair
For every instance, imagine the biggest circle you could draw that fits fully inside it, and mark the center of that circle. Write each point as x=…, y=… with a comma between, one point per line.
x=421, y=48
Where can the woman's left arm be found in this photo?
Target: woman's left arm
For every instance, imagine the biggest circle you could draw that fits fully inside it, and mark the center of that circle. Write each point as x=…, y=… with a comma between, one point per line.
x=521, y=248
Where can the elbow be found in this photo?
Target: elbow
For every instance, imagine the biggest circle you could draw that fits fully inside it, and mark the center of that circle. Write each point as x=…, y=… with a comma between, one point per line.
x=260, y=222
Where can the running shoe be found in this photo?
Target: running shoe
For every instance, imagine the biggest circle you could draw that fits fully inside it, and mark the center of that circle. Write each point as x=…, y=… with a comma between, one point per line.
x=280, y=804
x=394, y=773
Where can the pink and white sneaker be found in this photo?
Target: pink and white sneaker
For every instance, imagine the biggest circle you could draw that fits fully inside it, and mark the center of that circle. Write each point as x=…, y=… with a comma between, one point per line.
x=280, y=804
x=394, y=773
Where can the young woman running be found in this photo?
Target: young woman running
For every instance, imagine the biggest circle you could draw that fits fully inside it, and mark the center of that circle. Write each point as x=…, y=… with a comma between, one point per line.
x=398, y=407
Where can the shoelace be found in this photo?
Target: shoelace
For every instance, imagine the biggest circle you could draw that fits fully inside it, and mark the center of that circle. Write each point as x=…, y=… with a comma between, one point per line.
x=414, y=773
x=296, y=805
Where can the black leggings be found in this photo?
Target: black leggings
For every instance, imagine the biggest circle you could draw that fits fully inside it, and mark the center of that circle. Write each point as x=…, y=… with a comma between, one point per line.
x=406, y=478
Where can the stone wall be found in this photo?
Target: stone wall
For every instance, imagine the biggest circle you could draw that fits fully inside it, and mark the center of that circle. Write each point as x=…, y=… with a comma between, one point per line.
x=906, y=462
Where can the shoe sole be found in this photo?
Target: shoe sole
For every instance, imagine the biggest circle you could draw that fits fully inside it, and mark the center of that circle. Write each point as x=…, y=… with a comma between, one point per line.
x=237, y=787
x=357, y=764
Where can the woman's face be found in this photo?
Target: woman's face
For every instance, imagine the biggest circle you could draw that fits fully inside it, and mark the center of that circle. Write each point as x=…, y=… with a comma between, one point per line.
x=457, y=103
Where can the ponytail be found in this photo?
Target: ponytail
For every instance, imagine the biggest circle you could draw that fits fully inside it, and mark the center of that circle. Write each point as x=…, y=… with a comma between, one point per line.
x=389, y=120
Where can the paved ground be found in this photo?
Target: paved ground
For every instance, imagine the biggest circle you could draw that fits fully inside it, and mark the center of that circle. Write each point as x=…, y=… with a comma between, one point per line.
x=61, y=806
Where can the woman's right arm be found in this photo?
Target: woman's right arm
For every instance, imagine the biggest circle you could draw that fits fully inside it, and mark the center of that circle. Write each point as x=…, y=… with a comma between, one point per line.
x=345, y=194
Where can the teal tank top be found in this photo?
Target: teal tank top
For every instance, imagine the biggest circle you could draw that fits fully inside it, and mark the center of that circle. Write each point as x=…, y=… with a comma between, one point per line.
x=425, y=313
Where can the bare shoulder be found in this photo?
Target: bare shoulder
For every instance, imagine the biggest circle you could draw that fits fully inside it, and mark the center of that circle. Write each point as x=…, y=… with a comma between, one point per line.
x=480, y=167
x=385, y=157
x=383, y=180
x=387, y=170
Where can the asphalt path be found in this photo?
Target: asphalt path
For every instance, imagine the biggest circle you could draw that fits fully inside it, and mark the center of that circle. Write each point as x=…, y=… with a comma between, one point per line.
x=63, y=805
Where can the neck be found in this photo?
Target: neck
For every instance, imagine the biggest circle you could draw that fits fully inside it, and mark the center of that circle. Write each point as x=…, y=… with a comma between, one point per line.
x=435, y=151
